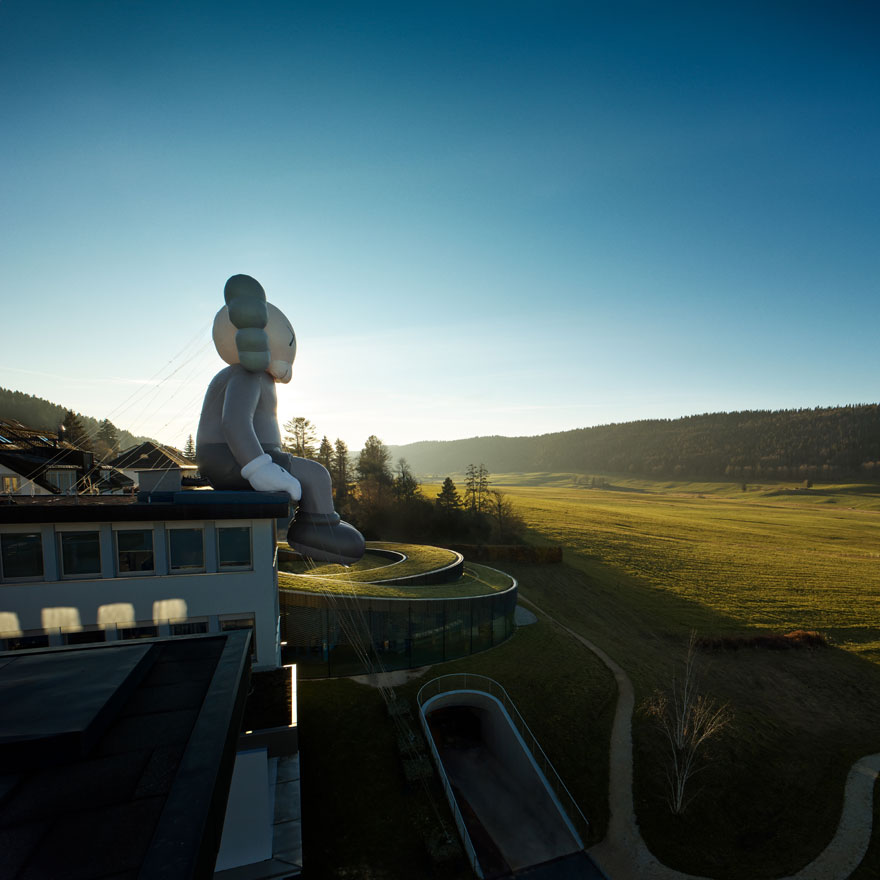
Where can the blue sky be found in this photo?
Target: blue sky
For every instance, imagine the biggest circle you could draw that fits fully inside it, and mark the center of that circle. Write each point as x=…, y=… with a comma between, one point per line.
x=480, y=217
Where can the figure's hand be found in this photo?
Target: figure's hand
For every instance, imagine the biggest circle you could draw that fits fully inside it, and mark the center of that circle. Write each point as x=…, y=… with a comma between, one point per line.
x=266, y=476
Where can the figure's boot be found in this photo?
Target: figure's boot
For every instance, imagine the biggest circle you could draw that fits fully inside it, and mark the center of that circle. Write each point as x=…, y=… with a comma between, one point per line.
x=325, y=538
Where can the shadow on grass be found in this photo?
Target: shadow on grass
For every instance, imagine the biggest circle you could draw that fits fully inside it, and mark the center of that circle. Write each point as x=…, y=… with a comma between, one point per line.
x=870, y=489
x=770, y=799
x=360, y=817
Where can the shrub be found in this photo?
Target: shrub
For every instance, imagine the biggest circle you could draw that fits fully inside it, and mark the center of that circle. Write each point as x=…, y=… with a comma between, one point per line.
x=799, y=638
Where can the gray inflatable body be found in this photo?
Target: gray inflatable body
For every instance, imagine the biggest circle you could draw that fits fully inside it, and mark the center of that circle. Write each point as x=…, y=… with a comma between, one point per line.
x=238, y=444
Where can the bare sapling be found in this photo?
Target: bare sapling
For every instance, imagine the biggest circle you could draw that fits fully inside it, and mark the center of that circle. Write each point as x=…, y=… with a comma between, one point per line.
x=688, y=720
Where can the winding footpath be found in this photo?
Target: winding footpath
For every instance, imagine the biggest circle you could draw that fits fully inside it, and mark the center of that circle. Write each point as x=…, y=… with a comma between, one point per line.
x=623, y=855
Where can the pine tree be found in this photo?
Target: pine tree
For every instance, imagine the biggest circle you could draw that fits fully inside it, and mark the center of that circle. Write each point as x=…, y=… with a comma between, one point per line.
x=325, y=453
x=448, y=498
x=375, y=480
x=300, y=437
x=372, y=463
x=74, y=432
x=406, y=486
x=107, y=441
x=189, y=451
x=340, y=472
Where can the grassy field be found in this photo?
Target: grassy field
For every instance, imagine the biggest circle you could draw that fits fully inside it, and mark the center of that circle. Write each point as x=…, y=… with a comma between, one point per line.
x=758, y=559
x=644, y=564
x=652, y=562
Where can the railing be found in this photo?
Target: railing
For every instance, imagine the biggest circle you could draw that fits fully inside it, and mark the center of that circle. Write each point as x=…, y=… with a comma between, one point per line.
x=465, y=681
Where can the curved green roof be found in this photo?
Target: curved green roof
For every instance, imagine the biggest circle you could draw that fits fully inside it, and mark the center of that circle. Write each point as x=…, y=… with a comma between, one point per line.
x=365, y=578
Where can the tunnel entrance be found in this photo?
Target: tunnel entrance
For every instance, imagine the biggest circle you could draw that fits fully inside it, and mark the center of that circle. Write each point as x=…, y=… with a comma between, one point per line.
x=456, y=730
x=511, y=817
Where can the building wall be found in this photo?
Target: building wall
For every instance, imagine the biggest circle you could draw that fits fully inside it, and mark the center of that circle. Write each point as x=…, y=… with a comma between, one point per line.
x=58, y=604
x=26, y=487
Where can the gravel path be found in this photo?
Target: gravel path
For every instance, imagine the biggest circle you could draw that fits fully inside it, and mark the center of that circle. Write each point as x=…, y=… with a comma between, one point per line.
x=623, y=855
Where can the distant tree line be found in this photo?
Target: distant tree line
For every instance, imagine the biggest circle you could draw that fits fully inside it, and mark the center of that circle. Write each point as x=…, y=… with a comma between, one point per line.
x=835, y=443
x=99, y=436
x=387, y=502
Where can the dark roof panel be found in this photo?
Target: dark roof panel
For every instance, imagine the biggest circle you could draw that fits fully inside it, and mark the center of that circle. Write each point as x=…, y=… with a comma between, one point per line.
x=193, y=504
x=152, y=456
x=147, y=797
x=61, y=711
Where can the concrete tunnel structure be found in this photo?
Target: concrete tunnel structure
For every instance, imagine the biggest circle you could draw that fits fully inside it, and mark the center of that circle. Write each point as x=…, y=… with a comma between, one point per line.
x=506, y=796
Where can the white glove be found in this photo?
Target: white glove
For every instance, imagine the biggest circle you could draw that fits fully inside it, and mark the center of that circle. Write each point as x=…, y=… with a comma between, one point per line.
x=266, y=476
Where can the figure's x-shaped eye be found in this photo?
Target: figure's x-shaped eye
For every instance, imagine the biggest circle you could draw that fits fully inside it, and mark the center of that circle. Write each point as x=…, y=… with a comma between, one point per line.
x=292, y=336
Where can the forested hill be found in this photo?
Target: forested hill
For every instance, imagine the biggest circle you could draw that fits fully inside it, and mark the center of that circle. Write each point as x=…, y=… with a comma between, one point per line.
x=34, y=412
x=832, y=443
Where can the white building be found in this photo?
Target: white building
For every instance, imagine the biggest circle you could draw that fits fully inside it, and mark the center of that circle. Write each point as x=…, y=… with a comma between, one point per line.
x=94, y=569
x=81, y=569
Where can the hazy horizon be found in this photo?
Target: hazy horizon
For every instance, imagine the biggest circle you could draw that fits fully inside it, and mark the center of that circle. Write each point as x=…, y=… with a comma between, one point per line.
x=356, y=448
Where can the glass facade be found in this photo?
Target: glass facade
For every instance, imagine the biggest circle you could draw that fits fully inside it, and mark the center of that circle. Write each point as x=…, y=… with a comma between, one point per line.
x=21, y=555
x=328, y=636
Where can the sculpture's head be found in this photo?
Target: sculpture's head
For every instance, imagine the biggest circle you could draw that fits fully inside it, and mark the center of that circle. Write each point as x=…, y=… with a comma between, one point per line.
x=252, y=332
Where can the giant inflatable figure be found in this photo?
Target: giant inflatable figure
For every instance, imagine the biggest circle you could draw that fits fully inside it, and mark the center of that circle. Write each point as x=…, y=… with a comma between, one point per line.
x=238, y=445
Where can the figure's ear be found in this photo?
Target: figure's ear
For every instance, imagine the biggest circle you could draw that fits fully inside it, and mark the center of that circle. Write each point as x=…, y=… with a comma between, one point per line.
x=246, y=304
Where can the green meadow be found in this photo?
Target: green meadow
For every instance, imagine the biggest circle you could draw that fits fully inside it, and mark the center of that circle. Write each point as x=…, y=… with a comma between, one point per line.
x=644, y=564
x=772, y=558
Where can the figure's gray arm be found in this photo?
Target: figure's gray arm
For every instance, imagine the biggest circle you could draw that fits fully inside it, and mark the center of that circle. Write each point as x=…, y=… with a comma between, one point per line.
x=239, y=405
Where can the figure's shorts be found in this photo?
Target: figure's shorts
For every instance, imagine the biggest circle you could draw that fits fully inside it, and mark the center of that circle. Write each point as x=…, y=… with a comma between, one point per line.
x=218, y=465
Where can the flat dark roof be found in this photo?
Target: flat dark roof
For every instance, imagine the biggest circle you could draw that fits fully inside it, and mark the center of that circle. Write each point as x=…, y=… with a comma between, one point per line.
x=192, y=504
x=131, y=778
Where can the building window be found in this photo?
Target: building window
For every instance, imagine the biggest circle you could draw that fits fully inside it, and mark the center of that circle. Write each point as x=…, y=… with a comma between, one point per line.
x=134, y=550
x=189, y=627
x=80, y=553
x=146, y=631
x=234, y=547
x=21, y=555
x=186, y=549
x=84, y=637
x=65, y=480
x=23, y=643
x=11, y=485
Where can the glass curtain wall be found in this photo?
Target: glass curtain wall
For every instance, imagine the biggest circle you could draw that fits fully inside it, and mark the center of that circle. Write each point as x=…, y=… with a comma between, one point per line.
x=331, y=637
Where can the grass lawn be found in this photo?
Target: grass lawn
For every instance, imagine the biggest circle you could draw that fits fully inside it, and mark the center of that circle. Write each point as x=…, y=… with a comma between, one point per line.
x=367, y=580
x=646, y=567
x=645, y=564
x=419, y=558
x=750, y=560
